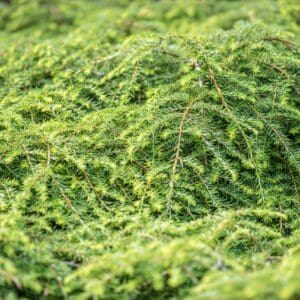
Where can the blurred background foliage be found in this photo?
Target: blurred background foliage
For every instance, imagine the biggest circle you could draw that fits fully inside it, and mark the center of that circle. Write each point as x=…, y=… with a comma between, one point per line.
x=46, y=18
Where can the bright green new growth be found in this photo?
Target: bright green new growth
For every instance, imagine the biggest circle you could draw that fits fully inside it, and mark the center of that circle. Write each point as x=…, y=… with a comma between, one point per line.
x=138, y=161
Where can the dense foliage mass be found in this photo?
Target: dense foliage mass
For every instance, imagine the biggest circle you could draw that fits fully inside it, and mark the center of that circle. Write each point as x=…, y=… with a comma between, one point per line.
x=149, y=149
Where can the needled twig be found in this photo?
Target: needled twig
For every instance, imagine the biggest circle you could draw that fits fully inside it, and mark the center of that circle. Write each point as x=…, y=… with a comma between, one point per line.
x=107, y=58
x=28, y=157
x=90, y=183
x=92, y=187
x=13, y=278
x=61, y=190
x=217, y=87
x=289, y=44
x=177, y=155
x=67, y=200
x=280, y=220
x=279, y=69
x=219, y=91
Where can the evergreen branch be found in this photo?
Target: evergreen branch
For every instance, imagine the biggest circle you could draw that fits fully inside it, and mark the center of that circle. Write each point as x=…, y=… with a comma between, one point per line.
x=92, y=187
x=62, y=192
x=6, y=190
x=177, y=156
x=13, y=278
x=295, y=184
x=108, y=58
x=219, y=91
x=206, y=187
x=67, y=200
x=278, y=39
x=279, y=69
x=217, y=87
x=28, y=158
x=89, y=181
x=144, y=195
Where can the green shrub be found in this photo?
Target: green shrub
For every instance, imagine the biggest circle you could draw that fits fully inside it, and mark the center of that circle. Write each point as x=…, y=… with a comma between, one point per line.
x=149, y=150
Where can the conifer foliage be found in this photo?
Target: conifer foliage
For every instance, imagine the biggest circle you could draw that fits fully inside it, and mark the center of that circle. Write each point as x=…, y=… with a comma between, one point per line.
x=149, y=149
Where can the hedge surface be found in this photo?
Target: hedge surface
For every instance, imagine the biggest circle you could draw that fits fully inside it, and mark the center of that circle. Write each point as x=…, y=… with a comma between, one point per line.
x=149, y=149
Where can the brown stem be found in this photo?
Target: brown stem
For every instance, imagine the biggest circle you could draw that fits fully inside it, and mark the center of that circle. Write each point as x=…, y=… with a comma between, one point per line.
x=279, y=69
x=219, y=91
x=92, y=187
x=13, y=278
x=177, y=155
x=28, y=157
x=281, y=40
x=89, y=181
x=217, y=87
x=67, y=200
x=280, y=221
